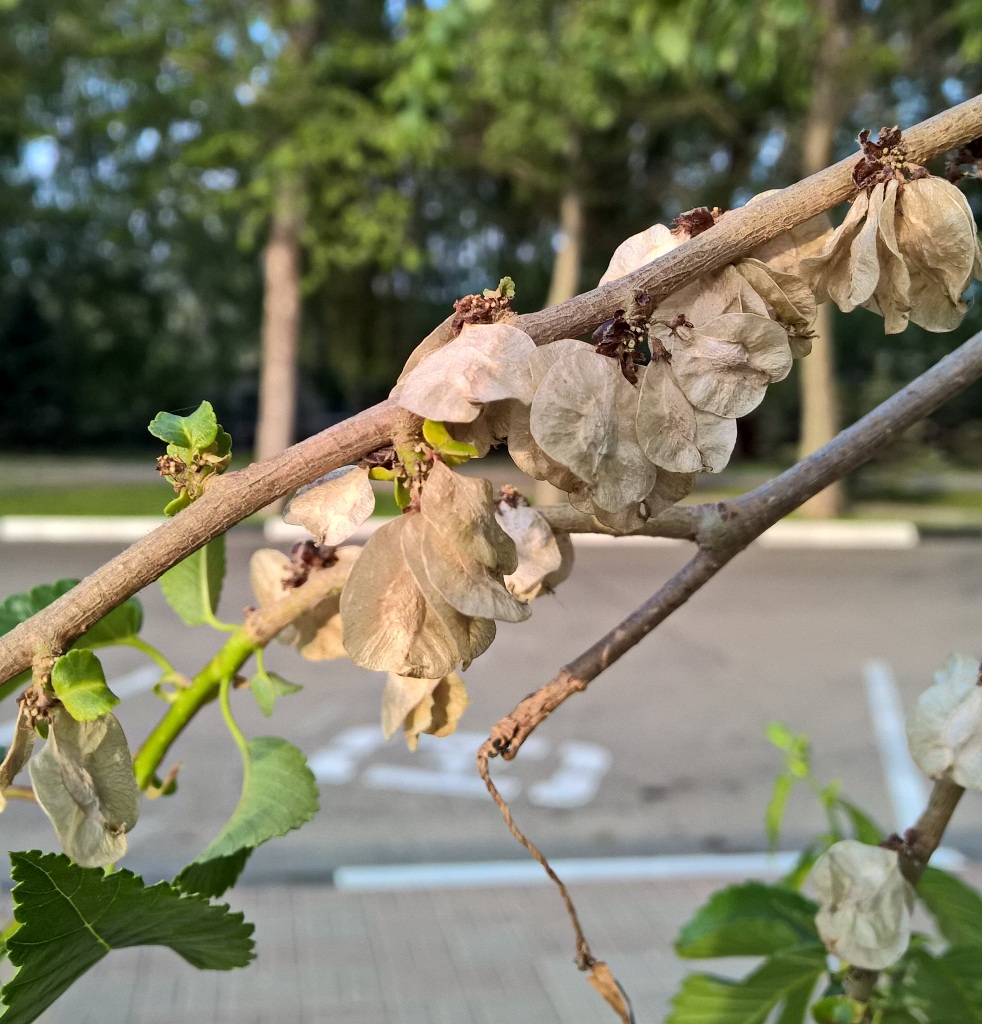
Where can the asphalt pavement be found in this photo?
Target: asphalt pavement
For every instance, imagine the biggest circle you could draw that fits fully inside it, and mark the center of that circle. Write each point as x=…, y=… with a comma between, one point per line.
x=663, y=756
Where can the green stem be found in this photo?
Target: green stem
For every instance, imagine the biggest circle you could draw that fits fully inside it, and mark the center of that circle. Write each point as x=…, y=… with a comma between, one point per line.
x=204, y=688
x=224, y=627
x=233, y=727
x=150, y=651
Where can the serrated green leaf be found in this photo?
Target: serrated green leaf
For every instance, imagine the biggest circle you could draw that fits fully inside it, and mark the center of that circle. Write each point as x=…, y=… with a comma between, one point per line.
x=194, y=432
x=784, y=980
x=215, y=876
x=955, y=907
x=749, y=919
x=80, y=684
x=194, y=585
x=279, y=794
x=71, y=917
x=267, y=687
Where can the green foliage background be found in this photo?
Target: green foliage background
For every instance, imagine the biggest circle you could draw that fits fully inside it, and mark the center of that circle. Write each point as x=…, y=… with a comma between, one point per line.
x=144, y=146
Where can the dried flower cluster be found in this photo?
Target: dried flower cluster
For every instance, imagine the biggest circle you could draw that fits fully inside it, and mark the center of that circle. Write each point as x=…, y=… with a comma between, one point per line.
x=908, y=247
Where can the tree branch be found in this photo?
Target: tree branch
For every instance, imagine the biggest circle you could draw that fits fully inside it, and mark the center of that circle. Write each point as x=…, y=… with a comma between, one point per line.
x=725, y=529
x=239, y=494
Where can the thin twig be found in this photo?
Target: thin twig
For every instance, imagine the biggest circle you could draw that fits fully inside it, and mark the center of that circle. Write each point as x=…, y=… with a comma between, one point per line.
x=726, y=528
x=239, y=494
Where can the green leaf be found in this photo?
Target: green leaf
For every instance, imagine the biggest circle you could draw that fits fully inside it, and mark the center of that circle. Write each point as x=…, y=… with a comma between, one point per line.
x=785, y=980
x=864, y=828
x=181, y=501
x=215, y=876
x=279, y=793
x=838, y=1010
x=267, y=687
x=749, y=919
x=950, y=986
x=194, y=432
x=774, y=815
x=955, y=907
x=122, y=622
x=194, y=585
x=71, y=917
x=80, y=684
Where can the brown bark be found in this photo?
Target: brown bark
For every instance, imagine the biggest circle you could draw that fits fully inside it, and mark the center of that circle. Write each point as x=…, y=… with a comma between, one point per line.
x=280, y=331
x=569, y=256
x=819, y=390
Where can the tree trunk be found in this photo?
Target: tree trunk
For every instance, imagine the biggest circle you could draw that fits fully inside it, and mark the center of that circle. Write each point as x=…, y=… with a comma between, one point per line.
x=569, y=256
x=819, y=391
x=280, y=331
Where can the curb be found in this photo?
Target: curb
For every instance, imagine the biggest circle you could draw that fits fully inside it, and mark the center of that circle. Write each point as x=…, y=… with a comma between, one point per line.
x=792, y=534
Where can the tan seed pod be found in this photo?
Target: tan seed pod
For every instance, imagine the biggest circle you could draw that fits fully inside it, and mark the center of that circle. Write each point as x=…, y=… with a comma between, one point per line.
x=83, y=779
x=540, y=556
x=666, y=421
x=332, y=508
x=18, y=753
x=531, y=459
x=944, y=727
x=639, y=249
x=937, y=236
x=400, y=697
x=461, y=511
x=387, y=623
x=575, y=420
x=866, y=904
x=438, y=712
x=485, y=363
x=472, y=635
x=786, y=298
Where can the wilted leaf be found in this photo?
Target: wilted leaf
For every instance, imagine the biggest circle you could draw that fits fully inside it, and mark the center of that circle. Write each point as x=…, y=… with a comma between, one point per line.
x=71, y=917
x=866, y=904
x=601, y=978
x=279, y=793
x=333, y=507
x=83, y=779
x=193, y=586
x=18, y=753
x=944, y=728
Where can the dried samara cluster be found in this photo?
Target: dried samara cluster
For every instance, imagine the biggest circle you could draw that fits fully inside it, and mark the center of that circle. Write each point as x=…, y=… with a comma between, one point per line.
x=622, y=423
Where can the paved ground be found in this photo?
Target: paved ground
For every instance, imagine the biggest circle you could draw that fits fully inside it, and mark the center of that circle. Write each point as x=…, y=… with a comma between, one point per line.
x=662, y=755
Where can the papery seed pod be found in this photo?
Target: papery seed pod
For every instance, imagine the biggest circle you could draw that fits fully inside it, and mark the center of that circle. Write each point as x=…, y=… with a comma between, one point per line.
x=866, y=904
x=472, y=634
x=582, y=418
x=19, y=751
x=333, y=507
x=388, y=625
x=640, y=249
x=317, y=633
x=543, y=559
x=944, y=727
x=485, y=363
x=83, y=779
x=438, y=712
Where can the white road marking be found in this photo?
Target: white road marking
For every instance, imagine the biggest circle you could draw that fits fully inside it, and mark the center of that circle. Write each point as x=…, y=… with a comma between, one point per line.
x=905, y=784
x=582, y=767
x=69, y=529
x=520, y=872
x=792, y=533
